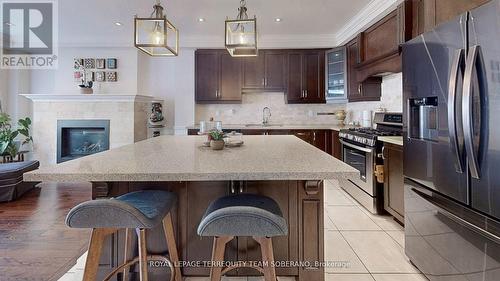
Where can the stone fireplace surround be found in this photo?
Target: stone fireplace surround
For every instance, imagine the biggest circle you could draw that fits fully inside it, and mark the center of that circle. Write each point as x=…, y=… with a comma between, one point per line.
x=127, y=115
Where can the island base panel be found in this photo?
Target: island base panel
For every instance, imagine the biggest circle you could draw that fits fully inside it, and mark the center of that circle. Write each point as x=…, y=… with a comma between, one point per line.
x=301, y=203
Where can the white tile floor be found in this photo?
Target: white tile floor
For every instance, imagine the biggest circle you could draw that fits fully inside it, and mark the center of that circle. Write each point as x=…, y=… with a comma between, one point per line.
x=371, y=246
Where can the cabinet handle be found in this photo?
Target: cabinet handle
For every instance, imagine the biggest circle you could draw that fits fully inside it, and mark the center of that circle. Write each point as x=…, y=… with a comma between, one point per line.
x=383, y=153
x=314, y=137
x=263, y=81
x=359, y=88
x=305, y=93
x=216, y=94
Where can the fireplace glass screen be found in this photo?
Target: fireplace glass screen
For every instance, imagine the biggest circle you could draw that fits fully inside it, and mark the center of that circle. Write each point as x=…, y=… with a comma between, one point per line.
x=78, y=138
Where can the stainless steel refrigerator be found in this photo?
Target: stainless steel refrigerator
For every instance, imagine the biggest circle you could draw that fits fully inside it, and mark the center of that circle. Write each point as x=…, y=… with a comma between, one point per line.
x=452, y=147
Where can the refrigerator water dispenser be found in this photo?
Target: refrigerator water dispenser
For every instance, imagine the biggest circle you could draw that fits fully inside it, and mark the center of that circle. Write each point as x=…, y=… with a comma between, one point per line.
x=423, y=118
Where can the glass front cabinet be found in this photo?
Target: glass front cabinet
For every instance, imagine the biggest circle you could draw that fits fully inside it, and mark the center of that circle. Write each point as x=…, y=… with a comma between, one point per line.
x=336, y=80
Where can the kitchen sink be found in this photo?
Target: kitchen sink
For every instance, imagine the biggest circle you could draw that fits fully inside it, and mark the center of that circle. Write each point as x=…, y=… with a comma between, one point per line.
x=262, y=125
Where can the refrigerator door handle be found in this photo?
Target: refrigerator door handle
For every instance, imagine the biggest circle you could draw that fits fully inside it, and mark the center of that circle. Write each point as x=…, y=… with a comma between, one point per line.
x=467, y=111
x=456, y=69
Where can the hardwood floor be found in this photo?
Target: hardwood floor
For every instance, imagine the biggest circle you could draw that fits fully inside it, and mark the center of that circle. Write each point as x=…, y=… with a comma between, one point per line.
x=35, y=244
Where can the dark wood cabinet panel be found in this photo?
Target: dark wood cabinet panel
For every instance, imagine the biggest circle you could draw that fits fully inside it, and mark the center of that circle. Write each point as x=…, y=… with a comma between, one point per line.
x=230, y=78
x=314, y=69
x=427, y=14
x=207, y=76
x=274, y=70
x=218, y=77
x=265, y=72
x=306, y=76
x=253, y=72
x=294, y=69
x=336, y=150
x=352, y=61
x=393, y=180
x=381, y=39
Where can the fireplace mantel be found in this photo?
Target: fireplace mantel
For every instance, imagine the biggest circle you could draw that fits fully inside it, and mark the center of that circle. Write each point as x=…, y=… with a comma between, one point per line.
x=127, y=115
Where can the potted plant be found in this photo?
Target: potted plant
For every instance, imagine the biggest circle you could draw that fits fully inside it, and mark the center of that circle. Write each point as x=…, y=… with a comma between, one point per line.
x=216, y=140
x=8, y=143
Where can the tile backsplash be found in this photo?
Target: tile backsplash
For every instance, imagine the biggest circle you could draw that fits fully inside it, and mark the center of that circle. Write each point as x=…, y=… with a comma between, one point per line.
x=250, y=111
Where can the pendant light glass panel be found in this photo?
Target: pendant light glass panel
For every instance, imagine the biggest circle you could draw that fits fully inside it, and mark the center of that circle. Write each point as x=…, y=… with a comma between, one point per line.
x=156, y=36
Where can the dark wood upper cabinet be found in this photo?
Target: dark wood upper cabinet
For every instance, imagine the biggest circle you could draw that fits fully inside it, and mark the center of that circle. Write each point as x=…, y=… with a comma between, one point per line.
x=306, y=76
x=218, y=77
x=376, y=52
x=207, y=76
x=427, y=14
x=230, y=78
x=265, y=72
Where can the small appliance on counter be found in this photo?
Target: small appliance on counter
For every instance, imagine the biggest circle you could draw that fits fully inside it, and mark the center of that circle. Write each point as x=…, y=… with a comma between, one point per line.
x=361, y=150
x=156, y=120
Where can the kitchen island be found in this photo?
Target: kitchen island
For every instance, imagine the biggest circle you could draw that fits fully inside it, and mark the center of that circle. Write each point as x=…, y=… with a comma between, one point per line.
x=284, y=168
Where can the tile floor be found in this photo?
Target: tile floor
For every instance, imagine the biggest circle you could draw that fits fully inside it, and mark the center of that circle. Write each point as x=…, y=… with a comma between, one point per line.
x=369, y=246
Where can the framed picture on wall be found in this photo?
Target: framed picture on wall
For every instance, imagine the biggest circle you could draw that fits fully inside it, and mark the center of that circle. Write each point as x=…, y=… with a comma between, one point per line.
x=77, y=63
x=111, y=76
x=100, y=63
x=111, y=63
x=100, y=76
x=89, y=63
x=77, y=75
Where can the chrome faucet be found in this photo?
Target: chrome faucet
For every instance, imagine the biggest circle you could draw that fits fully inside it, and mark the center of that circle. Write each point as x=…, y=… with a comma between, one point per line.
x=266, y=114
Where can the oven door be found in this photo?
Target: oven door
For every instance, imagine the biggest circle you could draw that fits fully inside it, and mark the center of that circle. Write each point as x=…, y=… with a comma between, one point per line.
x=360, y=158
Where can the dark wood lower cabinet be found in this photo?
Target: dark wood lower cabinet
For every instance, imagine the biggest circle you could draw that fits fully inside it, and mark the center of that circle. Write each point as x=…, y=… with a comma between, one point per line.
x=300, y=201
x=393, y=180
x=336, y=150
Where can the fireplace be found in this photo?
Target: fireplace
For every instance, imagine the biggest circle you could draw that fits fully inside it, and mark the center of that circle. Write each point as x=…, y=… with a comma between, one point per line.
x=78, y=138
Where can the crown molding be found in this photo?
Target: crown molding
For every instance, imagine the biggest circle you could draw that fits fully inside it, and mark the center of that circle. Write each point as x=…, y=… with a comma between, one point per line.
x=373, y=12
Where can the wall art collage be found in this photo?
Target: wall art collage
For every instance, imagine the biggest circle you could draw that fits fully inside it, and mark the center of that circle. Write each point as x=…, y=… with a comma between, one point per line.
x=97, y=70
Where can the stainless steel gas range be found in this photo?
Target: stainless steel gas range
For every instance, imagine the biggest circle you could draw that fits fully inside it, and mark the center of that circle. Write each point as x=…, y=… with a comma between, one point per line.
x=362, y=150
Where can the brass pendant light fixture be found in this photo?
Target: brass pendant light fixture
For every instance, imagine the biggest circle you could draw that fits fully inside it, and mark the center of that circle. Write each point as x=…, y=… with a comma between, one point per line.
x=241, y=34
x=156, y=35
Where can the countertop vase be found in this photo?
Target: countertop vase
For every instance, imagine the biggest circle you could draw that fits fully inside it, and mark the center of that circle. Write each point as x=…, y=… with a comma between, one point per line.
x=217, y=144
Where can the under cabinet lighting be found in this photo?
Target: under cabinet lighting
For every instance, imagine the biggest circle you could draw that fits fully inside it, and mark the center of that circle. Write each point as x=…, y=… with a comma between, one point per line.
x=277, y=20
x=201, y=19
x=118, y=23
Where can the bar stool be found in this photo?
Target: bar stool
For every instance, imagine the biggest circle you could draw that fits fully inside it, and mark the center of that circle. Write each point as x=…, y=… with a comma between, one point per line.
x=243, y=215
x=141, y=210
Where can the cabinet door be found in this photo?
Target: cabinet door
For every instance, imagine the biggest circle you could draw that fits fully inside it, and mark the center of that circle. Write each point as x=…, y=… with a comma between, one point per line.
x=274, y=70
x=305, y=135
x=253, y=72
x=207, y=76
x=393, y=181
x=427, y=14
x=353, y=91
x=314, y=75
x=294, y=85
x=319, y=139
x=230, y=78
x=336, y=147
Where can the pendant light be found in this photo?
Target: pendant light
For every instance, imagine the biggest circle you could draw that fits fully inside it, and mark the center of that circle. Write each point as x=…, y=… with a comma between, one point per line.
x=156, y=36
x=241, y=34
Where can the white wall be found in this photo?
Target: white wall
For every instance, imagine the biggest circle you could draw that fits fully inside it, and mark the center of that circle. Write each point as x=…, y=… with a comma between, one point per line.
x=392, y=99
x=171, y=79
x=4, y=95
x=60, y=81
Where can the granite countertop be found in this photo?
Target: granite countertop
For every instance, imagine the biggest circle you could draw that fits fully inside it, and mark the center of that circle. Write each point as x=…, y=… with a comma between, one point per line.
x=183, y=158
x=279, y=127
x=393, y=140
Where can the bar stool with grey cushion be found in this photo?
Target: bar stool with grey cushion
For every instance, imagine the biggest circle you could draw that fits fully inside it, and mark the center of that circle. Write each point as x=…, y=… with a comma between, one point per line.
x=140, y=210
x=243, y=215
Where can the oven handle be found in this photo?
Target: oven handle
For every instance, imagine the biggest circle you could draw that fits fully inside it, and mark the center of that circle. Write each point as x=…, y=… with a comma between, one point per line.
x=360, y=148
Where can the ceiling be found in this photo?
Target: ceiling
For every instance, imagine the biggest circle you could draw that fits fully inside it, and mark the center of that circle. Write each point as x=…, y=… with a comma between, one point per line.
x=92, y=22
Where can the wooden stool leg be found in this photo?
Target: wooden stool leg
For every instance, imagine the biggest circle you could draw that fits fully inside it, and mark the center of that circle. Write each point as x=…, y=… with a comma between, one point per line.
x=126, y=252
x=168, y=228
x=218, y=251
x=143, y=255
x=266, y=247
x=94, y=253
